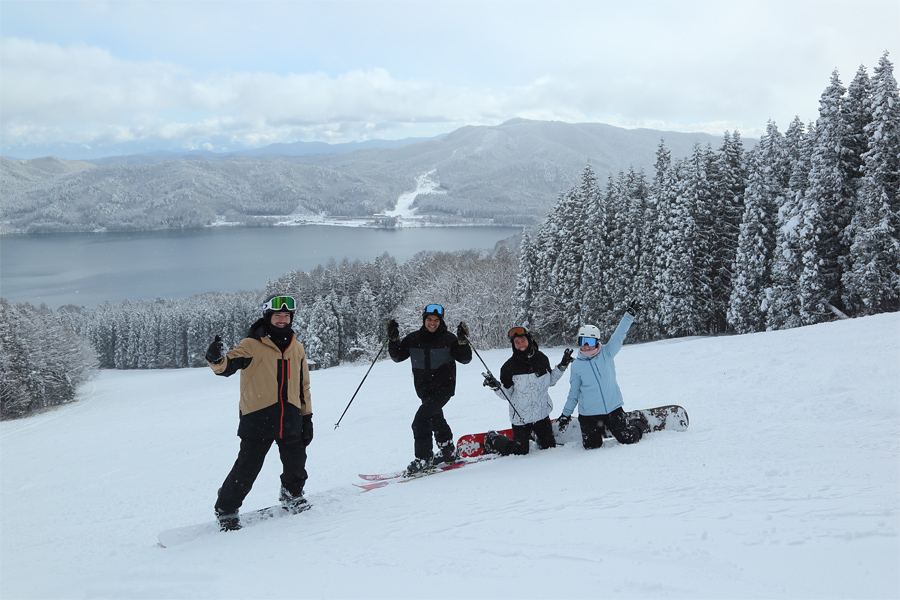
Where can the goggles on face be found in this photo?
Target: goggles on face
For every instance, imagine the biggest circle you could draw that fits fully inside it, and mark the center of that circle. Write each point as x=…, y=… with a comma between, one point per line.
x=516, y=331
x=587, y=341
x=434, y=308
x=279, y=303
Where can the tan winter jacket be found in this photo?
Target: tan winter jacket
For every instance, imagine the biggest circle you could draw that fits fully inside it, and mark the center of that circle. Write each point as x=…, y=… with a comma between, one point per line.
x=267, y=376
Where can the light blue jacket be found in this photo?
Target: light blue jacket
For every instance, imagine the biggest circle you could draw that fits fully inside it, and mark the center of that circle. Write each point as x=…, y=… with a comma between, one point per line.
x=592, y=383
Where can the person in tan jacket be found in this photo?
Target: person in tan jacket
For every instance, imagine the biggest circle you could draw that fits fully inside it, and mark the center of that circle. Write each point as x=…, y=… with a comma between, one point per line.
x=274, y=407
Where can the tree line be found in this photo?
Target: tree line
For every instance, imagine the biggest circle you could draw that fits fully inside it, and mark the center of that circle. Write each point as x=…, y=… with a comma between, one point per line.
x=800, y=230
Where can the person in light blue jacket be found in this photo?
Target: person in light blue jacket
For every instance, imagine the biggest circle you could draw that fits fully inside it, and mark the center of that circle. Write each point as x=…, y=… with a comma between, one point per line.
x=593, y=387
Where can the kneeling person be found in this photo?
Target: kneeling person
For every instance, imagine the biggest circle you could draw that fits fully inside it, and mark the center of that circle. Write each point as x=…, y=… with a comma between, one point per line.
x=525, y=380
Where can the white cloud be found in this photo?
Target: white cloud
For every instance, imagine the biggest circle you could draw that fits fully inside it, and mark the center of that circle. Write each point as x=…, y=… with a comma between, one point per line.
x=263, y=72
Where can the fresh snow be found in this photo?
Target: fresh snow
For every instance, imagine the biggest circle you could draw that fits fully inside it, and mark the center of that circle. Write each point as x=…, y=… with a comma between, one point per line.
x=786, y=485
x=424, y=185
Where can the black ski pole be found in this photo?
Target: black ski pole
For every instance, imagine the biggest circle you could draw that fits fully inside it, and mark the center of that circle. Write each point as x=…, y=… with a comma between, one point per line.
x=361, y=382
x=492, y=375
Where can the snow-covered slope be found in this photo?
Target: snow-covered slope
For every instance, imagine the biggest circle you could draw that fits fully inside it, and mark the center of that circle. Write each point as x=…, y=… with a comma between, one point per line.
x=786, y=485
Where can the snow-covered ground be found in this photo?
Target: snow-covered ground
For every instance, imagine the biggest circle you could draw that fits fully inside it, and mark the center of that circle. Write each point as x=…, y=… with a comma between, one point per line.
x=786, y=485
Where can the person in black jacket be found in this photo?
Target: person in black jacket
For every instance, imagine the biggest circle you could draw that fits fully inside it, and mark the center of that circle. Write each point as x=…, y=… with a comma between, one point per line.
x=434, y=352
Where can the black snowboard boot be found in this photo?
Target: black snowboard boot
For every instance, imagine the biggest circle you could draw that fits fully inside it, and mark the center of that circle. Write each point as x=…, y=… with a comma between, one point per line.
x=228, y=521
x=446, y=453
x=490, y=442
x=419, y=465
x=291, y=503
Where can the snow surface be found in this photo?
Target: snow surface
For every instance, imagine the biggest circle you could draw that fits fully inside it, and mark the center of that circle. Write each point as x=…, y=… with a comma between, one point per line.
x=786, y=485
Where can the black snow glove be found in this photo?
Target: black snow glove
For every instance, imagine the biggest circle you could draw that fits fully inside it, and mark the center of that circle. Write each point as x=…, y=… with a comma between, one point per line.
x=307, y=431
x=393, y=331
x=566, y=359
x=491, y=381
x=462, y=333
x=216, y=351
x=634, y=308
x=562, y=422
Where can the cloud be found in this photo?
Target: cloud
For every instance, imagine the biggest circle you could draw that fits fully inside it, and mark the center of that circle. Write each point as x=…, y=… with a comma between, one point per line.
x=251, y=73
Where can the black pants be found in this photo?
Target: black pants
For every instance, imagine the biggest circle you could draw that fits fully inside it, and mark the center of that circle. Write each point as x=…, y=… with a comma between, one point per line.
x=541, y=431
x=249, y=463
x=592, y=427
x=429, y=421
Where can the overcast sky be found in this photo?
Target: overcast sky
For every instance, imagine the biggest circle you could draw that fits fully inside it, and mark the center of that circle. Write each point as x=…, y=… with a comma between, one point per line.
x=227, y=74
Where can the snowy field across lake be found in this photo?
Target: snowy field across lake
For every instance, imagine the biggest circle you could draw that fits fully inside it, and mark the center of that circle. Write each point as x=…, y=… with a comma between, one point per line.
x=786, y=485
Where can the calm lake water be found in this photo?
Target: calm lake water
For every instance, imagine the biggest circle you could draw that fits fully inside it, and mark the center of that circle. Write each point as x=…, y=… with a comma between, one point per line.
x=87, y=269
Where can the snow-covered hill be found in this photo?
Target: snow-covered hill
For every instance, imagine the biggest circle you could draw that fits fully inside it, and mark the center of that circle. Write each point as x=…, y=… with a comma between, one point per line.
x=786, y=485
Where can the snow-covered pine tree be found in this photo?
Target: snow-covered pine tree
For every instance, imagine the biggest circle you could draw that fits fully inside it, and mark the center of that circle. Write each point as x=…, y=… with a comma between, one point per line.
x=783, y=306
x=661, y=192
x=609, y=282
x=756, y=240
x=676, y=283
x=569, y=264
x=526, y=280
x=872, y=283
x=728, y=210
x=699, y=187
x=827, y=211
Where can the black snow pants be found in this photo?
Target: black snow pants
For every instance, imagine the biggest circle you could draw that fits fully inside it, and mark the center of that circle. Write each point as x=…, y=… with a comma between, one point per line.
x=592, y=427
x=429, y=421
x=541, y=430
x=250, y=462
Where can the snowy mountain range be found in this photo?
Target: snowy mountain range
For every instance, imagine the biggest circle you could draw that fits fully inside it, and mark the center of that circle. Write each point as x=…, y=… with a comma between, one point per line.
x=509, y=174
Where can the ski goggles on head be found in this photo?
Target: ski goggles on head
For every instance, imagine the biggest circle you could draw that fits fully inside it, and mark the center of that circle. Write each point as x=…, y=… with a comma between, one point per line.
x=588, y=341
x=517, y=331
x=433, y=309
x=279, y=303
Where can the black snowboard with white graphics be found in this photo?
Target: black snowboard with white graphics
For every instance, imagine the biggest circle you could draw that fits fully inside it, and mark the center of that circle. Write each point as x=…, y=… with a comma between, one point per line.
x=180, y=535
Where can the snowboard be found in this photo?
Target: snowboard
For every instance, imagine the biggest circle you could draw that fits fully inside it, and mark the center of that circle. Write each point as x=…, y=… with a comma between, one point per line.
x=181, y=535
x=668, y=418
x=380, y=480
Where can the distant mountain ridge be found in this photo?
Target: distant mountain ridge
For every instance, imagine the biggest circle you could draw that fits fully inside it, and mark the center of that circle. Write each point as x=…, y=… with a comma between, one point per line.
x=509, y=174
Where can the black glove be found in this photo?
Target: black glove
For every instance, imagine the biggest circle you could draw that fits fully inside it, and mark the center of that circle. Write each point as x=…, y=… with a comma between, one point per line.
x=562, y=422
x=491, y=382
x=216, y=351
x=566, y=359
x=634, y=308
x=393, y=331
x=462, y=333
x=307, y=431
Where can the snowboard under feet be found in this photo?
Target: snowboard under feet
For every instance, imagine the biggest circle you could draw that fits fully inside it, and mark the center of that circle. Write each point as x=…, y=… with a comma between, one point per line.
x=181, y=535
x=661, y=418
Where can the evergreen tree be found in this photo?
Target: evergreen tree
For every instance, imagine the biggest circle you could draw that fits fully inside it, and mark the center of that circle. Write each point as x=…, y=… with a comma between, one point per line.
x=676, y=276
x=782, y=297
x=526, y=280
x=727, y=211
x=747, y=307
x=827, y=210
x=872, y=283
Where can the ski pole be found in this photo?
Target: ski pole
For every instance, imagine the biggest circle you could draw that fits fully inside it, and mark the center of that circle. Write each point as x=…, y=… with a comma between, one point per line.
x=361, y=382
x=492, y=375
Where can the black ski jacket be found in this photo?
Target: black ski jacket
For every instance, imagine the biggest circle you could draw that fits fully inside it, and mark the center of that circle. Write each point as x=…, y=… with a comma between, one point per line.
x=434, y=357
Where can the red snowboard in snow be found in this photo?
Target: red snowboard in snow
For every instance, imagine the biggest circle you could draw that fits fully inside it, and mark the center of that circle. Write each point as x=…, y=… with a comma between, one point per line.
x=670, y=418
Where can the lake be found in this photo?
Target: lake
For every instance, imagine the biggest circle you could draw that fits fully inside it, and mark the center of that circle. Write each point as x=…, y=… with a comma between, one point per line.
x=87, y=269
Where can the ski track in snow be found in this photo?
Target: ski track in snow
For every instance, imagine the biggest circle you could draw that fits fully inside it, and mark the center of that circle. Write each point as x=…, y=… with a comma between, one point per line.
x=786, y=485
x=424, y=185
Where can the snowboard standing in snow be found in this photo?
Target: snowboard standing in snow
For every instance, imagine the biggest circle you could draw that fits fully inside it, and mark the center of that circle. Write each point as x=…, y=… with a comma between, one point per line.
x=181, y=535
x=668, y=418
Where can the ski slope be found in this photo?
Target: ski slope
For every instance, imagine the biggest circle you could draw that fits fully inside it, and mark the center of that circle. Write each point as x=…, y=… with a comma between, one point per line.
x=786, y=485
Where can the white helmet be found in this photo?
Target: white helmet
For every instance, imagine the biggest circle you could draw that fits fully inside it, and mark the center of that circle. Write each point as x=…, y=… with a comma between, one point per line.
x=589, y=331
